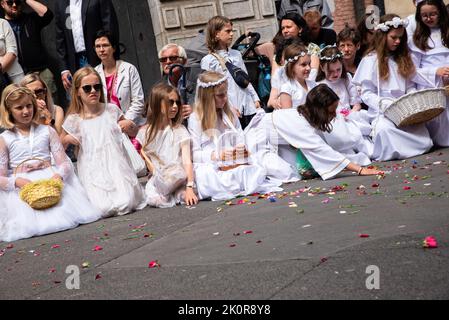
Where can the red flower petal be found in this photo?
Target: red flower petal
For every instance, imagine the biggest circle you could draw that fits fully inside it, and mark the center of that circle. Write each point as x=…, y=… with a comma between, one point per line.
x=56, y=246
x=375, y=185
x=98, y=276
x=232, y=245
x=97, y=248
x=407, y=188
x=154, y=264
x=9, y=246
x=364, y=235
x=247, y=232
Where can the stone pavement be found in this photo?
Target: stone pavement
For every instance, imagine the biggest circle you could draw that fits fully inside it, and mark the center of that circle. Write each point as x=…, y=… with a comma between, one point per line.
x=316, y=240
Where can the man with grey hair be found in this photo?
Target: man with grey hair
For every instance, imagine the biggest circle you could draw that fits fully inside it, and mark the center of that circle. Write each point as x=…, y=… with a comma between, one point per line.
x=301, y=6
x=174, y=54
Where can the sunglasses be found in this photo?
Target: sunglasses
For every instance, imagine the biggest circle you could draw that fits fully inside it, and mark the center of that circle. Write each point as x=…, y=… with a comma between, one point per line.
x=88, y=88
x=40, y=92
x=11, y=2
x=171, y=59
x=172, y=102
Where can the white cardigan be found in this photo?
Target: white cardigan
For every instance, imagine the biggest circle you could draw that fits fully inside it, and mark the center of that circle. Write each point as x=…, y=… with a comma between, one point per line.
x=129, y=91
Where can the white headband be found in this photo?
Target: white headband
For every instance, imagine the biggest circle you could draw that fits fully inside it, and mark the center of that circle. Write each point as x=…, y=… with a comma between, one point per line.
x=396, y=23
x=206, y=85
x=333, y=57
x=418, y=2
x=296, y=58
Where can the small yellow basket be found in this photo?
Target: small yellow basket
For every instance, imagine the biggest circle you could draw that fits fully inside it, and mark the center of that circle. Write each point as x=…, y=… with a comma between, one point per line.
x=41, y=194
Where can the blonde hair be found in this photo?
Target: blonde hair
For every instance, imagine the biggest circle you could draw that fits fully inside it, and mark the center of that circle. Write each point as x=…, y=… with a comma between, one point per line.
x=215, y=25
x=205, y=103
x=158, y=96
x=76, y=105
x=11, y=94
x=33, y=77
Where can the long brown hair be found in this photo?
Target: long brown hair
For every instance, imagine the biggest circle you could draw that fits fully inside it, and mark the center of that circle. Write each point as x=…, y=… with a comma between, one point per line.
x=11, y=94
x=158, y=101
x=401, y=55
x=330, y=55
x=215, y=25
x=205, y=106
x=76, y=105
x=316, y=108
x=422, y=32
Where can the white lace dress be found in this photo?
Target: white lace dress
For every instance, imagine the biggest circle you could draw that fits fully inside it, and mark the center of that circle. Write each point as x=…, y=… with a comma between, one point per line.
x=166, y=187
x=103, y=165
x=17, y=219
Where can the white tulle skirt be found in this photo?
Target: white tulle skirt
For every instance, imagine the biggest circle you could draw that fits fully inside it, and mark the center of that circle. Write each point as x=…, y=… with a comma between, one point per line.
x=19, y=221
x=241, y=181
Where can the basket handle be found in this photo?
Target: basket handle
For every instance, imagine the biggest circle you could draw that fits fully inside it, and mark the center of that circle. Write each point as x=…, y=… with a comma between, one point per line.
x=30, y=159
x=384, y=99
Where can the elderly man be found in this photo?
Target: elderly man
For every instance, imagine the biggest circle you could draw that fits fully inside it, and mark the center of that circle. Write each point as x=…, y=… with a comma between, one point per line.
x=301, y=6
x=174, y=54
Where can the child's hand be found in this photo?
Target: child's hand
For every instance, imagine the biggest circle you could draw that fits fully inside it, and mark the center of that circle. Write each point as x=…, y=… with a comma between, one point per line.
x=370, y=172
x=68, y=139
x=22, y=182
x=57, y=177
x=190, y=197
x=186, y=111
x=257, y=104
x=227, y=155
x=357, y=107
x=128, y=127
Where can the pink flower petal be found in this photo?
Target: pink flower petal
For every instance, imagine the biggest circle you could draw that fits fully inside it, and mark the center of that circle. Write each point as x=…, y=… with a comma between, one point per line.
x=430, y=243
x=375, y=185
x=56, y=246
x=98, y=276
x=232, y=245
x=364, y=235
x=407, y=188
x=154, y=264
x=9, y=246
x=97, y=248
x=247, y=232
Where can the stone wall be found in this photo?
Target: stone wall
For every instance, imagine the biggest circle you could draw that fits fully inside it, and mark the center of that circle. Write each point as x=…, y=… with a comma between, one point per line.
x=180, y=20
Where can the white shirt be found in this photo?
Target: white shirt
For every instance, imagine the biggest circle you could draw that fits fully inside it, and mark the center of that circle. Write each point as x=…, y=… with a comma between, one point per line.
x=77, y=25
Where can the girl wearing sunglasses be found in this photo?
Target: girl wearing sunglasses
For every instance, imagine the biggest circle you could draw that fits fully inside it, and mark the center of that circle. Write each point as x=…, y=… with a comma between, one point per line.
x=49, y=113
x=103, y=165
x=166, y=144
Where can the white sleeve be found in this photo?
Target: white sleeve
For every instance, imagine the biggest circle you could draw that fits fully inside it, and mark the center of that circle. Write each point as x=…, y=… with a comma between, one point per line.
x=63, y=163
x=201, y=153
x=136, y=108
x=6, y=183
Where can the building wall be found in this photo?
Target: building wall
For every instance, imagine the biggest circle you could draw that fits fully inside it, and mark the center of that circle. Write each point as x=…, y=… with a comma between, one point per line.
x=180, y=20
x=402, y=8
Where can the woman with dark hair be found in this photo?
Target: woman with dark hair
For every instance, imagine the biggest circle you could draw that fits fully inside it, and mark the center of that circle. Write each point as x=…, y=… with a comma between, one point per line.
x=306, y=130
x=121, y=82
x=384, y=75
x=430, y=52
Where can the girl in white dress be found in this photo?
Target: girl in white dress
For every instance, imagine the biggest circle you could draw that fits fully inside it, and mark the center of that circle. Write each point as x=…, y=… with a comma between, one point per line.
x=219, y=40
x=166, y=143
x=385, y=75
x=24, y=139
x=350, y=121
x=104, y=167
x=430, y=52
x=222, y=166
x=305, y=131
x=297, y=69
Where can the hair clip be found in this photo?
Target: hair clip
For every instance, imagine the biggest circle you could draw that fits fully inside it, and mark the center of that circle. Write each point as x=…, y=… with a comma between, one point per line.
x=334, y=46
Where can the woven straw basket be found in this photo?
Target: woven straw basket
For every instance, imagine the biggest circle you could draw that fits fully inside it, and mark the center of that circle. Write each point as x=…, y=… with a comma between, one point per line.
x=41, y=194
x=417, y=107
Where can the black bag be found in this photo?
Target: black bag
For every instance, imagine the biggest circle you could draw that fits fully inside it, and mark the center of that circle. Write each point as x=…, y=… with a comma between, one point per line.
x=4, y=81
x=240, y=77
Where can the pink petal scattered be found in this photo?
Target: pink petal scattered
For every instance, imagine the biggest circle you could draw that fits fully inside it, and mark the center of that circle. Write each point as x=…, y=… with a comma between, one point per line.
x=247, y=232
x=407, y=188
x=53, y=270
x=232, y=245
x=364, y=235
x=430, y=243
x=98, y=276
x=97, y=248
x=154, y=264
x=259, y=241
x=56, y=246
x=9, y=246
x=375, y=185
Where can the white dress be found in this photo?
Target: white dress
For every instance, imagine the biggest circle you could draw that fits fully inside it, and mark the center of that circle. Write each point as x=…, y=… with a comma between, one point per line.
x=222, y=185
x=166, y=186
x=348, y=123
x=390, y=142
x=17, y=219
x=296, y=91
x=427, y=63
x=265, y=154
x=242, y=99
x=291, y=132
x=103, y=165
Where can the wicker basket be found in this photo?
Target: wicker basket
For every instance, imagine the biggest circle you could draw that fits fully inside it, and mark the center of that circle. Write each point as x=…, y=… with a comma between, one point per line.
x=41, y=194
x=417, y=107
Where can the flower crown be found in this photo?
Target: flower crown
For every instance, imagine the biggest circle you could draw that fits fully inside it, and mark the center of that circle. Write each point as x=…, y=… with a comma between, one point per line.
x=396, y=23
x=338, y=55
x=206, y=85
x=296, y=58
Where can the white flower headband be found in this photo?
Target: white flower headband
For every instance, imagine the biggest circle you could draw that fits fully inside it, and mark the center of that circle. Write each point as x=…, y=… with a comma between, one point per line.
x=296, y=58
x=338, y=55
x=206, y=85
x=396, y=23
